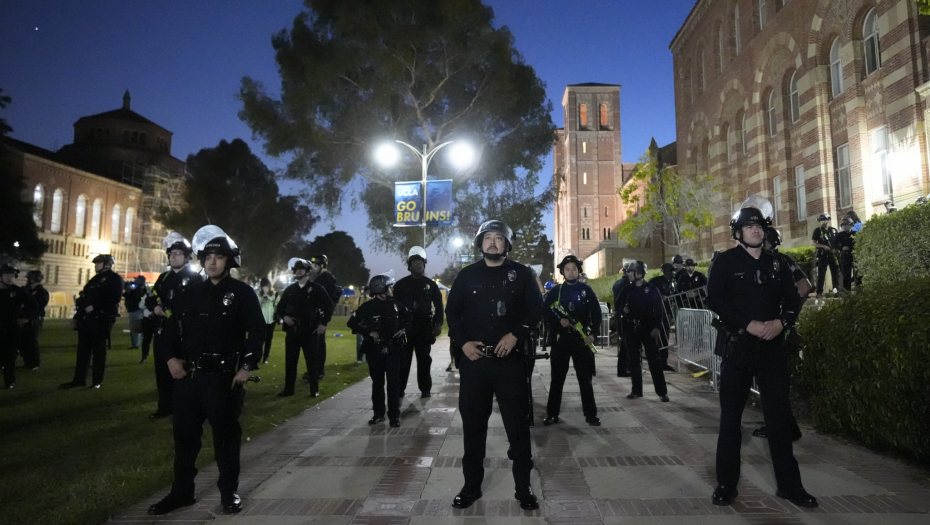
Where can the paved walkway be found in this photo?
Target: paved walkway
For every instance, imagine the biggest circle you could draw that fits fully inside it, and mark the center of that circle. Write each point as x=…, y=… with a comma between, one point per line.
x=650, y=463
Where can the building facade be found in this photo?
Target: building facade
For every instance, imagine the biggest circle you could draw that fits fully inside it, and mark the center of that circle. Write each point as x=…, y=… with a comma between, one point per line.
x=815, y=104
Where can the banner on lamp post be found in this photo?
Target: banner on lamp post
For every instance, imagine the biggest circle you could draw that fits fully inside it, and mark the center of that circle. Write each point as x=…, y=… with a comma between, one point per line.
x=407, y=203
x=439, y=203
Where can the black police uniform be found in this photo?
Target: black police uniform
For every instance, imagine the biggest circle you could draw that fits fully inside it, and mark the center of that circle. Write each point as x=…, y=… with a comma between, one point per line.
x=696, y=281
x=824, y=258
x=328, y=281
x=845, y=242
x=485, y=304
x=29, y=332
x=743, y=289
x=667, y=287
x=422, y=298
x=168, y=292
x=580, y=303
x=309, y=306
x=645, y=314
x=385, y=357
x=15, y=303
x=132, y=297
x=221, y=331
x=103, y=292
x=623, y=368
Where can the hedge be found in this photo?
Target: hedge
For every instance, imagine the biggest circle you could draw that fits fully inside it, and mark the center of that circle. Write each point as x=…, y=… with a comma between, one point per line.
x=804, y=256
x=865, y=371
x=894, y=246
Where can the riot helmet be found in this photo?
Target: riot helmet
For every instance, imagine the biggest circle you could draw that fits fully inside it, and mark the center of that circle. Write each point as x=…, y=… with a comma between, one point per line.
x=678, y=259
x=320, y=260
x=823, y=217
x=212, y=239
x=668, y=268
x=754, y=211
x=35, y=276
x=9, y=268
x=296, y=263
x=105, y=258
x=638, y=267
x=416, y=251
x=773, y=237
x=494, y=226
x=571, y=258
x=690, y=262
x=379, y=284
x=176, y=241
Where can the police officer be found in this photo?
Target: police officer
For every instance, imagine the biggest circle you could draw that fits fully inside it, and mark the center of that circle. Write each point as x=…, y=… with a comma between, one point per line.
x=845, y=242
x=692, y=283
x=306, y=310
x=492, y=306
x=320, y=274
x=29, y=333
x=422, y=298
x=640, y=304
x=755, y=298
x=383, y=322
x=133, y=296
x=668, y=286
x=17, y=309
x=567, y=304
x=823, y=238
x=100, y=306
x=678, y=266
x=623, y=367
x=165, y=303
x=213, y=355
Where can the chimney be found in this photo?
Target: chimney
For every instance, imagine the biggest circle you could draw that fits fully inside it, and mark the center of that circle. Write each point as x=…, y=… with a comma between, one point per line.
x=126, y=99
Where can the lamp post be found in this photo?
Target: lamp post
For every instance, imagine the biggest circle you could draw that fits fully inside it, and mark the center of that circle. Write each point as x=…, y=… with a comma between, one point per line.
x=461, y=156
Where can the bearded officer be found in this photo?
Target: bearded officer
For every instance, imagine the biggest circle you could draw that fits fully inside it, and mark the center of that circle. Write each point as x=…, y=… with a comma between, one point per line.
x=756, y=299
x=165, y=303
x=492, y=306
x=220, y=342
x=423, y=300
x=17, y=308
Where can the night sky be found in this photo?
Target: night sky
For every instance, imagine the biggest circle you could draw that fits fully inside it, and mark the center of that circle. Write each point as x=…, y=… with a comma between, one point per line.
x=182, y=61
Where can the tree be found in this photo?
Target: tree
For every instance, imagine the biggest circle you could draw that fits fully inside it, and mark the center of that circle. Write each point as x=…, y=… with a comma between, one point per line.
x=355, y=73
x=923, y=6
x=449, y=273
x=672, y=207
x=19, y=237
x=346, y=260
x=231, y=187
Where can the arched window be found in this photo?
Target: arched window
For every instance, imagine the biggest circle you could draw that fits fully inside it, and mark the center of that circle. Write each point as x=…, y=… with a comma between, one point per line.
x=794, y=97
x=605, y=117
x=721, y=48
x=730, y=141
x=836, y=68
x=870, y=43
x=38, y=205
x=127, y=229
x=771, y=123
x=95, y=219
x=744, y=133
x=80, y=216
x=763, y=14
x=583, y=115
x=114, y=226
x=736, y=33
x=57, y=198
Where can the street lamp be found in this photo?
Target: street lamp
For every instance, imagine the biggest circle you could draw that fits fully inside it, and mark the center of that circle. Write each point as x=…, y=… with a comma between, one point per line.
x=461, y=155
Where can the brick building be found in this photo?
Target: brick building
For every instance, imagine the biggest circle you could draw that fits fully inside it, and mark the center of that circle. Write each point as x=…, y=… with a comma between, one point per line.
x=815, y=104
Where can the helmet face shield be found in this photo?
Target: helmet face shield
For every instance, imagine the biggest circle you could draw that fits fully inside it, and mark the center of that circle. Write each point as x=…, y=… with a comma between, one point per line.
x=176, y=241
x=212, y=239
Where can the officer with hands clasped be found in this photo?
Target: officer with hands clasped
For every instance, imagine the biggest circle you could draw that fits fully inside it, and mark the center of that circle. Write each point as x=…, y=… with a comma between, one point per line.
x=306, y=310
x=164, y=302
x=383, y=322
x=212, y=356
x=756, y=299
x=100, y=306
x=422, y=298
x=640, y=304
x=492, y=306
x=574, y=315
x=17, y=308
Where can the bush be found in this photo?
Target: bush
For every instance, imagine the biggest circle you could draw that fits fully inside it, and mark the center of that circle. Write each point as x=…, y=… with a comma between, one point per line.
x=895, y=246
x=865, y=371
x=804, y=256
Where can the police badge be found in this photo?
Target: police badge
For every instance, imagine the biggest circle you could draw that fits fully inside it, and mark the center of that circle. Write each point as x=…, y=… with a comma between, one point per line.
x=184, y=281
x=776, y=266
x=228, y=298
x=511, y=276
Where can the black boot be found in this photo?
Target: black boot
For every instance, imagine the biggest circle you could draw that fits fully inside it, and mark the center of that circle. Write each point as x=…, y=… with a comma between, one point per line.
x=169, y=503
x=466, y=497
x=528, y=500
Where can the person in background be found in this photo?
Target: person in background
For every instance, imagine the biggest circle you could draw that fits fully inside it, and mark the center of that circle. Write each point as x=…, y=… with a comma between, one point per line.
x=857, y=224
x=17, y=308
x=29, y=333
x=133, y=295
x=693, y=283
x=844, y=243
x=668, y=286
x=823, y=240
x=268, y=300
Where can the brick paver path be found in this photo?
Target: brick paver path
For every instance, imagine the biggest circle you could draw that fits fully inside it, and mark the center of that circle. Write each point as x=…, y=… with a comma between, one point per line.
x=650, y=463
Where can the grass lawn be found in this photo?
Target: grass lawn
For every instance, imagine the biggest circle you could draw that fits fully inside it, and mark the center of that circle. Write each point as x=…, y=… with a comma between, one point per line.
x=75, y=456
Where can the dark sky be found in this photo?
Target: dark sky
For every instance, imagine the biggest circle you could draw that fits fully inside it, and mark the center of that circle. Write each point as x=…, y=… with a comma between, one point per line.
x=182, y=61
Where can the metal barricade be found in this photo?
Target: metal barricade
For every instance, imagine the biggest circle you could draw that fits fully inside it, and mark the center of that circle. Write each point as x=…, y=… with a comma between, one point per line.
x=696, y=338
x=603, y=338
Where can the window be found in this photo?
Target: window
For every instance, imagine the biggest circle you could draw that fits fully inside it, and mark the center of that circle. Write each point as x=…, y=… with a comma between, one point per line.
x=721, y=47
x=763, y=19
x=585, y=211
x=794, y=97
x=584, y=177
x=135, y=137
x=836, y=68
x=95, y=219
x=142, y=139
x=38, y=205
x=800, y=189
x=776, y=191
x=702, y=71
x=871, y=46
x=80, y=273
x=114, y=224
x=126, y=136
x=57, y=198
x=843, y=176
x=771, y=123
x=880, y=158
x=736, y=34
x=605, y=121
x=583, y=115
x=730, y=141
x=605, y=212
x=584, y=147
x=79, y=216
x=744, y=133
x=56, y=274
x=127, y=230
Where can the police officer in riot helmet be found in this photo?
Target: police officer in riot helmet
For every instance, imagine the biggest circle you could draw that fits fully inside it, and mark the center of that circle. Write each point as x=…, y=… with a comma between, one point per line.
x=99, y=307
x=320, y=274
x=212, y=356
x=824, y=239
x=573, y=314
x=623, y=368
x=29, y=333
x=845, y=242
x=640, y=305
x=165, y=302
x=422, y=298
x=17, y=308
x=492, y=306
x=668, y=286
x=756, y=300
x=305, y=309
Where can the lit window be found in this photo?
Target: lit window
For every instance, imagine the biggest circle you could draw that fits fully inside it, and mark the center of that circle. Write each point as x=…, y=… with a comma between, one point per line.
x=127, y=229
x=79, y=216
x=843, y=175
x=57, y=198
x=604, y=117
x=880, y=158
x=38, y=205
x=795, y=98
x=800, y=189
x=114, y=226
x=583, y=115
x=95, y=219
x=871, y=45
x=585, y=177
x=584, y=147
x=836, y=68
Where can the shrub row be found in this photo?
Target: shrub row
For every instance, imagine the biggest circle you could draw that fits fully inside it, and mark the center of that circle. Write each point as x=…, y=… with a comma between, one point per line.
x=894, y=246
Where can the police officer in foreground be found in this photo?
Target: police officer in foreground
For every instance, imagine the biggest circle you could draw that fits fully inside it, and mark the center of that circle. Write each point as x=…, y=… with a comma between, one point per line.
x=823, y=239
x=165, y=303
x=567, y=305
x=29, y=333
x=219, y=344
x=492, y=306
x=623, y=367
x=640, y=304
x=755, y=297
x=17, y=308
x=100, y=306
x=422, y=298
x=306, y=310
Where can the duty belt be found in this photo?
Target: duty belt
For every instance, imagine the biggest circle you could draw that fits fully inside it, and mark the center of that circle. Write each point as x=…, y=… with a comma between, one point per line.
x=212, y=363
